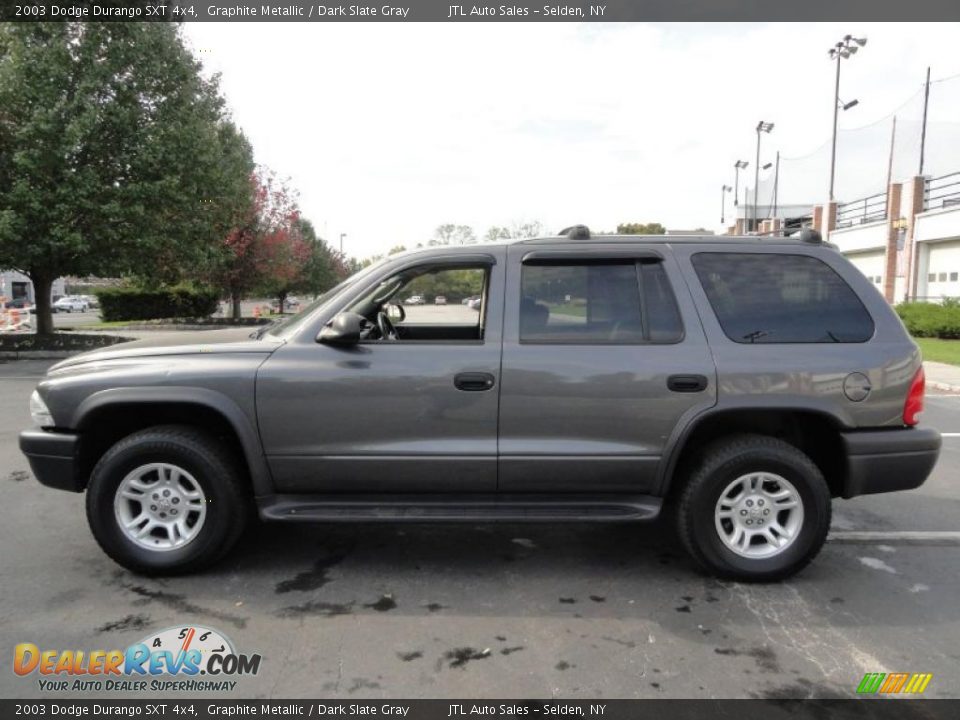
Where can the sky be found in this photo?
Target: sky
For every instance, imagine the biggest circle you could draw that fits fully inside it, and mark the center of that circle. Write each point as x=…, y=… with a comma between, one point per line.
x=388, y=130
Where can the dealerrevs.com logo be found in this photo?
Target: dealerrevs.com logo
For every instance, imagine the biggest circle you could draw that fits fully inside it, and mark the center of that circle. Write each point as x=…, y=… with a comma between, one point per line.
x=171, y=660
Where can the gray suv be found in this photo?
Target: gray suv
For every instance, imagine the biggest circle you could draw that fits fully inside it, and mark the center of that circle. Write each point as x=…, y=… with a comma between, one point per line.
x=740, y=383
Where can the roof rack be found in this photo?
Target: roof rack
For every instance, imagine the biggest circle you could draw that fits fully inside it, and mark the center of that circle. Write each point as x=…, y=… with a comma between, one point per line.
x=809, y=235
x=576, y=232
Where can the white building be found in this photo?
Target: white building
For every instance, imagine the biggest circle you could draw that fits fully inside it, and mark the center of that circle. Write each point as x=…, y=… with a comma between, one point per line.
x=14, y=285
x=906, y=241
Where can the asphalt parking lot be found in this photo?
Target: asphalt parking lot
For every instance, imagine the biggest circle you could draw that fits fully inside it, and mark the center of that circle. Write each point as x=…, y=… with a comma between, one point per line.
x=503, y=611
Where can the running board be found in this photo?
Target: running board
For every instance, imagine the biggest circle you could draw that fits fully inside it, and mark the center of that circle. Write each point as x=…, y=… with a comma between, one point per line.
x=459, y=508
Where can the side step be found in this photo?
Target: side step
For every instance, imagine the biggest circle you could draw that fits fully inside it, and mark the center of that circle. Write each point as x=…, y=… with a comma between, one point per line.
x=459, y=508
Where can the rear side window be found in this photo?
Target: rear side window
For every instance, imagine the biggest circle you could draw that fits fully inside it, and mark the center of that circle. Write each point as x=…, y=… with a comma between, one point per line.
x=771, y=298
x=617, y=302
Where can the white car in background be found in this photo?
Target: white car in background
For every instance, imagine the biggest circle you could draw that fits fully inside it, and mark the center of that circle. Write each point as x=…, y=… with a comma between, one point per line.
x=71, y=305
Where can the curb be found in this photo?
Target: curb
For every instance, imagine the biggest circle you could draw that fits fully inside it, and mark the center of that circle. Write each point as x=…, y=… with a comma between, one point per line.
x=38, y=354
x=944, y=387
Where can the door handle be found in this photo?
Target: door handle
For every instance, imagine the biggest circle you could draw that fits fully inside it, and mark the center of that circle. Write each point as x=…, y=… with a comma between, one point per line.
x=473, y=381
x=687, y=383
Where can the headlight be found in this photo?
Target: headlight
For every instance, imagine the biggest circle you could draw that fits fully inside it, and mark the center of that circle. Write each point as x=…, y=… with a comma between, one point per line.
x=39, y=411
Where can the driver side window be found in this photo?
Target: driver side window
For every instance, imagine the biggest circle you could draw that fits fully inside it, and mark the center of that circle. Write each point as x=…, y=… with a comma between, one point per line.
x=428, y=304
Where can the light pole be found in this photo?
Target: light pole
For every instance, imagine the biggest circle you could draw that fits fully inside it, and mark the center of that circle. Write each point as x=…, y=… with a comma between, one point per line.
x=342, y=236
x=762, y=127
x=737, y=167
x=776, y=186
x=723, y=202
x=845, y=48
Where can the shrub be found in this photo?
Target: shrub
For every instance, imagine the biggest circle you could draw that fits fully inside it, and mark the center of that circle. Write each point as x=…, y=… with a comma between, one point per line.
x=127, y=303
x=931, y=320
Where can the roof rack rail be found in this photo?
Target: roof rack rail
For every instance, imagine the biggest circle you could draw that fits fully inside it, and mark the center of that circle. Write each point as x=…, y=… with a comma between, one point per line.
x=576, y=232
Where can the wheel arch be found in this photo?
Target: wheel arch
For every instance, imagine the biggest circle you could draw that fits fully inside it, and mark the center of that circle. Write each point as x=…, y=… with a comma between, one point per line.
x=813, y=430
x=109, y=415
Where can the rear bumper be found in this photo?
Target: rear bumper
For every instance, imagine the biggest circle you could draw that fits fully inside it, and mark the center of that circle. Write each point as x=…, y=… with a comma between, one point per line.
x=53, y=458
x=880, y=461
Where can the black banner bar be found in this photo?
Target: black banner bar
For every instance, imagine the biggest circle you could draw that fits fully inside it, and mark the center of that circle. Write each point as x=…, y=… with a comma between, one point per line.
x=202, y=709
x=460, y=11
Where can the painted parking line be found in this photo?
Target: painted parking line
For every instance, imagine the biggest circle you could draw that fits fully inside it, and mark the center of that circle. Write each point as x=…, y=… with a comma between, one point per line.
x=949, y=434
x=896, y=537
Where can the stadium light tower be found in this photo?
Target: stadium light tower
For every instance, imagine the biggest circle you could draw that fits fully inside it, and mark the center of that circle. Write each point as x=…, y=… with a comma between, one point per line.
x=723, y=203
x=762, y=127
x=846, y=48
x=737, y=167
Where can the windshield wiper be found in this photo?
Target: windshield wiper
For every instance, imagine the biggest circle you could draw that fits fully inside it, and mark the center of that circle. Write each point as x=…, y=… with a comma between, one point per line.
x=263, y=329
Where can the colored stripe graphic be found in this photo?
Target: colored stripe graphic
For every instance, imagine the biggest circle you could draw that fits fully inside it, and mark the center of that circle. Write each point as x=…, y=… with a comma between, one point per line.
x=871, y=683
x=891, y=683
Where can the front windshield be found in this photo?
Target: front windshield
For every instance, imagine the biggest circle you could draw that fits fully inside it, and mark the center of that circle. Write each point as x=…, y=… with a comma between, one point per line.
x=287, y=326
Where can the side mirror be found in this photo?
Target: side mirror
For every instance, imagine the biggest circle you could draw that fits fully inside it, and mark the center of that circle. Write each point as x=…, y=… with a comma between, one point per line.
x=343, y=330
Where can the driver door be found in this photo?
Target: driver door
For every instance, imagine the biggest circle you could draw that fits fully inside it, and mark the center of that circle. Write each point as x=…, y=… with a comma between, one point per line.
x=414, y=415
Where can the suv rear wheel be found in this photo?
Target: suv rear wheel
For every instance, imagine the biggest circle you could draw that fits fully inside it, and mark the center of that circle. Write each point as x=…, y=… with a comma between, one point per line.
x=755, y=509
x=167, y=500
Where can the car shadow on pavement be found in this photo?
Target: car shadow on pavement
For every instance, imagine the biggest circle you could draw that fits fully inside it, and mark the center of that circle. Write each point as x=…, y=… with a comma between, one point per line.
x=414, y=570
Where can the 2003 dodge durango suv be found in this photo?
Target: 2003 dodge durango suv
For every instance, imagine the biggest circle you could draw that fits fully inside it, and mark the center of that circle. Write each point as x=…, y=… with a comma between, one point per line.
x=740, y=382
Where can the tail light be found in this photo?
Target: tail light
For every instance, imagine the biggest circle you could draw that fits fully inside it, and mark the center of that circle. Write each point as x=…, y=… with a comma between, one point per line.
x=914, y=404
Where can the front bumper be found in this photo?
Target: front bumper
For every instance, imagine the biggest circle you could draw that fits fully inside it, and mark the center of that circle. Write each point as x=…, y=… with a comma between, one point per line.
x=53, y=458
x=880, y=461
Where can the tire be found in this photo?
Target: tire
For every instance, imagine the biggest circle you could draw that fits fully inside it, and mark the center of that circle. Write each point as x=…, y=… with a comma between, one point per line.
x=210, y=486
x=771, y=465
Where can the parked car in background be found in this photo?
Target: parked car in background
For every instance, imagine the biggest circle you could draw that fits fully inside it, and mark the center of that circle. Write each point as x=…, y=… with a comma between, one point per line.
x=71, y=305
x=415, y=300
x=440, y=300
x=473, y=302
x=290, y=303
x=92, y=302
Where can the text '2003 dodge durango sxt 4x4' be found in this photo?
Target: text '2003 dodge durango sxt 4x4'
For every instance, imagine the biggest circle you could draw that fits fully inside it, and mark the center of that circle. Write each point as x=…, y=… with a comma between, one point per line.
x=740, y=382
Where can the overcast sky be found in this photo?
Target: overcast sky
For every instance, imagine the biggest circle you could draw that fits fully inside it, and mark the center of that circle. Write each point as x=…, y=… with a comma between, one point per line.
x=389, y=129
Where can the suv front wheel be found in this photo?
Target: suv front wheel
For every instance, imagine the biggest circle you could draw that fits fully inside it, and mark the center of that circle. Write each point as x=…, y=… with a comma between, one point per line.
x=755, y=509
x=166, y=500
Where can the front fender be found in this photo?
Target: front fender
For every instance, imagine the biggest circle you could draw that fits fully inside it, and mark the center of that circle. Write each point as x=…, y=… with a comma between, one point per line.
x=84, y=415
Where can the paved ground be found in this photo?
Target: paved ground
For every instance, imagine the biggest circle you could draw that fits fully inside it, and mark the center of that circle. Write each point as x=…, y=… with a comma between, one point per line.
x=503, y=611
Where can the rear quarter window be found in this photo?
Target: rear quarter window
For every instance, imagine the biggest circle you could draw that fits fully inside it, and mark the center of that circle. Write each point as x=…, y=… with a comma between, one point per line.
x=772, y=298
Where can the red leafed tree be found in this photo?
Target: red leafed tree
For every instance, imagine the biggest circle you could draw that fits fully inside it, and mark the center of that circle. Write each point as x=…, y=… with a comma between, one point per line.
x=263, y=245
x=283, y=257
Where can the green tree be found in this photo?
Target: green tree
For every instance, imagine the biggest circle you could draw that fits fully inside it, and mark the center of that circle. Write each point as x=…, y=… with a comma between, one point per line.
x=495, y=233
x=450, y=234
x=526, y=229
x=641, y=229
x=111, y=154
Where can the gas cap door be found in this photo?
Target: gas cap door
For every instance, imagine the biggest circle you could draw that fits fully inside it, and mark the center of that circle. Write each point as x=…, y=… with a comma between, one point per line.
x=856, y=387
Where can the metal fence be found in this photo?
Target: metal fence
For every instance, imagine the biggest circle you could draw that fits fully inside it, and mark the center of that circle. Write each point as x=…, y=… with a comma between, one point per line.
x=943, y=191
x=865, y=210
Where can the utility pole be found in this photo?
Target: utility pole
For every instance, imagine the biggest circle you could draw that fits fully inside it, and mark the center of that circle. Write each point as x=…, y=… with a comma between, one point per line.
x=767, y=128
x=923, y=131
x=776, y=185
x=893, y=138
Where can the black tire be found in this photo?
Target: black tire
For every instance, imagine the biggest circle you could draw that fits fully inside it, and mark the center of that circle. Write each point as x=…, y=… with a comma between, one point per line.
x=723, y=462
x=213, y=467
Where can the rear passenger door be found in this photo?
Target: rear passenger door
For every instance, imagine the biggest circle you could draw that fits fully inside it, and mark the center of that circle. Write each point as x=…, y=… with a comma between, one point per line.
x=603, y=358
